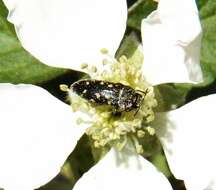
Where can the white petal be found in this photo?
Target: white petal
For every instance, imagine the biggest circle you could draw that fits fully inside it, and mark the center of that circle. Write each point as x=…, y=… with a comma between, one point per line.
x=188, y=138
x=37, y=133
x=171, y=43
x=124, y=170
x=66, y=33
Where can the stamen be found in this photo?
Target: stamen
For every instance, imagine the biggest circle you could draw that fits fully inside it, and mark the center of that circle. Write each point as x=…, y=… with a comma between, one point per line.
x=80, y=121
x=138, y=147
x=123, y=59
x=105, y=61
x=120, y=145
x=105, y=128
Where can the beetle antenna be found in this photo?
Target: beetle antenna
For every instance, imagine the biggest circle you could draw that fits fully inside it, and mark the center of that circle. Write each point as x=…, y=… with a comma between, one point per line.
x=144, y=92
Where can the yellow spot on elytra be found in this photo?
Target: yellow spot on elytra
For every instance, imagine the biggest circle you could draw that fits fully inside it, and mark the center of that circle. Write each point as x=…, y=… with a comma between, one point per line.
x=107, y=96
x=84, y=91
x=97, y=95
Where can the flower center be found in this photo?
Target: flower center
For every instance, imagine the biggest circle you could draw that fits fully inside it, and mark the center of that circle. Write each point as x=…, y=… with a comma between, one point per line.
x=116, y=129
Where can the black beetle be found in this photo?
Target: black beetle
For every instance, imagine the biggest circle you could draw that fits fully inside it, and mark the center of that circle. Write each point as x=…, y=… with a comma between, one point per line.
x=121, y=97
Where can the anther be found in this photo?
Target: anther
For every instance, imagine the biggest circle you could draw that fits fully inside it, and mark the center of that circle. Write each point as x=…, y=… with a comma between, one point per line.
x=140, y=133
x=94, y=69
x=150, y=130
x=64, y=87
x=104, y=51
x=84, y=65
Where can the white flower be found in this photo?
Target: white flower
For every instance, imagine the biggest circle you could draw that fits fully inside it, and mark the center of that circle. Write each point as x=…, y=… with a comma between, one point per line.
x=38, y=131
x=171, y=43
x=188, y=140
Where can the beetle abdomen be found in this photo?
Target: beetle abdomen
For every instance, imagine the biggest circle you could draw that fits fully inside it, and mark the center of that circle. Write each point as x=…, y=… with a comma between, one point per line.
x=97, y=91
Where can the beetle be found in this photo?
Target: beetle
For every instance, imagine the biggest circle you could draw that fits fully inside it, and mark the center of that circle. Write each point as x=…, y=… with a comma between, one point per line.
x=119, y=96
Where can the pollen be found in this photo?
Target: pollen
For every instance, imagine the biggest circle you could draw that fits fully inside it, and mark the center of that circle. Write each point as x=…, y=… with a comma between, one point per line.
x=107, y=128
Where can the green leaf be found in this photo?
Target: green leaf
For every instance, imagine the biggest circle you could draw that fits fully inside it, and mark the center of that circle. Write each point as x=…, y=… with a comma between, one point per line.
x=171, y=96
x=159, y=160
x=16, y=64
x=138, y=11
x=208, y=51
x=58, y=183
x=131, y=48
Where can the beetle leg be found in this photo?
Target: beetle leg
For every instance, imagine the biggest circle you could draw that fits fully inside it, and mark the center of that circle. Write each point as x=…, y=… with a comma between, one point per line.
x=116, y=112
x=136, y=111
